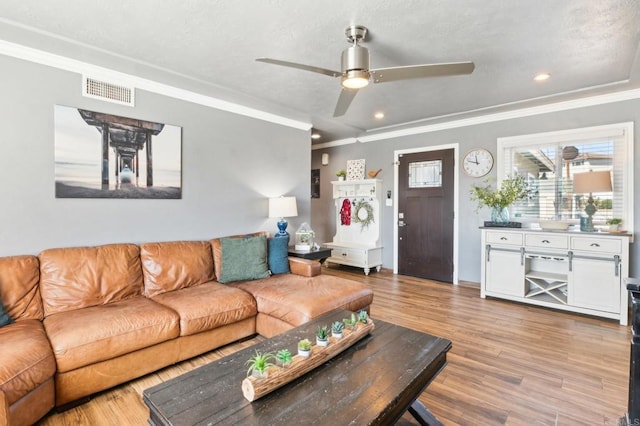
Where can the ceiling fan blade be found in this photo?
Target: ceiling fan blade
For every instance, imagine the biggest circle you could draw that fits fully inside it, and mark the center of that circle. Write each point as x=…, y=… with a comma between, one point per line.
x=384, y=75
x=346, y=96
x=311, y=68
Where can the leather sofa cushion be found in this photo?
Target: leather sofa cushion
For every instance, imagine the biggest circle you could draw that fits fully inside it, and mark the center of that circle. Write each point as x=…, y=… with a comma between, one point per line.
x=26, y=360
x=86, y=336
x=297, y=300
x=174, y=265
x=80, y=277
x=216, y=249
x=19, y=290
x=208, y=306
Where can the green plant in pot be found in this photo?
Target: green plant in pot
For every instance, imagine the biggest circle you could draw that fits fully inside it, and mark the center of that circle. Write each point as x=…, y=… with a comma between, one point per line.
x=337, y=329
x=322, y=336
x=350, y=323
x=511, y=190
x=363, y=317
x=342, y=174
x=304, y=347
x=614, y=224
x=259, y=364
x=284, y=357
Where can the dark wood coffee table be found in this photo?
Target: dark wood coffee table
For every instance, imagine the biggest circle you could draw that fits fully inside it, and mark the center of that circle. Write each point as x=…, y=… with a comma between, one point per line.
x=373, y=382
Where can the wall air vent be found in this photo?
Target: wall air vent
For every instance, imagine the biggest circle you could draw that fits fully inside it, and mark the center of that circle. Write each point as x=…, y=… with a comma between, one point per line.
x=109, y=92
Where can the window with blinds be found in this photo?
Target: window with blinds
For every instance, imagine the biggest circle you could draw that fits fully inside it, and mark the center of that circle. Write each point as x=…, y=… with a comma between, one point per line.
x=550, y=161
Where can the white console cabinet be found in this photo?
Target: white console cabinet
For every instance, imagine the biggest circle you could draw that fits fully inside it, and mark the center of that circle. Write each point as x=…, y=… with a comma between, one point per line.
x=573, y=271
x=357, y=241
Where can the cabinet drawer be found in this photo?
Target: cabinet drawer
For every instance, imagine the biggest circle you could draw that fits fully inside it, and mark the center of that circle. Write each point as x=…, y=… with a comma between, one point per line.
x=599, y=245
x=510, y=238
x=547, y=241
x=350, y=255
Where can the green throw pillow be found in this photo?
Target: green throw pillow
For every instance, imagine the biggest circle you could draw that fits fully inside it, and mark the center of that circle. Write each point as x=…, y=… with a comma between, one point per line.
x=243, y=259
x=4, y=316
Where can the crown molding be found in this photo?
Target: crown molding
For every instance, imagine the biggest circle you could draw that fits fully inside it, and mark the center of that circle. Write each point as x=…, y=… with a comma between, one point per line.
x=333, y=143
x=72, y=65
x=508, y=115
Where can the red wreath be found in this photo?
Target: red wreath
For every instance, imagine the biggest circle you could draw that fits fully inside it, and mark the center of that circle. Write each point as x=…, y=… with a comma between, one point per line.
x=345, y=212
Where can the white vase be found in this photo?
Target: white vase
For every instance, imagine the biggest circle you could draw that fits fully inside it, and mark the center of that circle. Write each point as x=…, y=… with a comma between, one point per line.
x=322, y=342
x=337, y=335
x=303, y=353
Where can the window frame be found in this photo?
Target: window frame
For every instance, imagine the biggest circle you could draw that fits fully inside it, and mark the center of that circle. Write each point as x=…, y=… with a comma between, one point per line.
x=622, y=131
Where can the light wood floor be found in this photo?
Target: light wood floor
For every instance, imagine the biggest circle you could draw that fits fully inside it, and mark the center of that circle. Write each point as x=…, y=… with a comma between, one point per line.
x=510, y=364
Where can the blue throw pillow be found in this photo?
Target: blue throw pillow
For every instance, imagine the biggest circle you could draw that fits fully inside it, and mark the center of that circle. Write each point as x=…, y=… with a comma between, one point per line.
x=4, y=316
x=243, y=259
x=279, y=255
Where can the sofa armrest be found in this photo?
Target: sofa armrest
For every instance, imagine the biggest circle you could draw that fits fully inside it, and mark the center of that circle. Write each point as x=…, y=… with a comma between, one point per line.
x=4, y=409
x=304, y=267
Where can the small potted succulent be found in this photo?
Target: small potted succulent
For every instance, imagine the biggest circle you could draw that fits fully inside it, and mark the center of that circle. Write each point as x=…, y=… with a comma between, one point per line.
x=614, y=224
x=363, y=317
x=336, y=329
x=304, y=347
x=284, y=356
x=342, y=174
x=322, y=336
x=350, y=322
x=259, y=364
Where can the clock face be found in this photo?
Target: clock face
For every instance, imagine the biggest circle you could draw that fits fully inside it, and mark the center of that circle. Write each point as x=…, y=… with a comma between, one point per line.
x=477, y=162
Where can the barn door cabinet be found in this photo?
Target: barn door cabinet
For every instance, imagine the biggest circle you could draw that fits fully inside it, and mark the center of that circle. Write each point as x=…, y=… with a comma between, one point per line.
x=573, y=271
x=356, y=243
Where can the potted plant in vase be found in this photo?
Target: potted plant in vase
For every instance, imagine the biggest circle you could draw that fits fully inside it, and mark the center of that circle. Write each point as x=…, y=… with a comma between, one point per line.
x=363, y=317
x=322, y=336
x=350, y=323
x=336, y=329
x=511, y=190
x=614, y=224
x=304, y=348
x=342, y=174
x=284, y=356
x=259, y=364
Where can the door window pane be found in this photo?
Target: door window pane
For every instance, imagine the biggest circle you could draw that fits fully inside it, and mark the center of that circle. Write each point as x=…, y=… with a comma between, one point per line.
x=425, y=174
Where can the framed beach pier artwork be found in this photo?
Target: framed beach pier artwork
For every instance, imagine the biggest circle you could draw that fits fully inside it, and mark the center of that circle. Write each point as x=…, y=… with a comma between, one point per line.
x=100, y=155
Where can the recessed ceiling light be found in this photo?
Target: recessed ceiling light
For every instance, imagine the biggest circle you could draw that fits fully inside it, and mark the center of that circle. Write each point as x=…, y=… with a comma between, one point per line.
x=315, y=136
x=542, y=76
x=379, y=115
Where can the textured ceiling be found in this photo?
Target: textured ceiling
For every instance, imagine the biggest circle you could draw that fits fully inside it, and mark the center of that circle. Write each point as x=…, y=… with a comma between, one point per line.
x=588, y=46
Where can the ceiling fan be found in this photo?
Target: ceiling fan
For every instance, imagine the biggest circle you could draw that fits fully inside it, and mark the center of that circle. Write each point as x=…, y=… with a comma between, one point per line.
x=356, y=74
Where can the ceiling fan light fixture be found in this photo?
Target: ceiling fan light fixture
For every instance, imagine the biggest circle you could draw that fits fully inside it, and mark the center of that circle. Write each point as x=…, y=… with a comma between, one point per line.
x=355, y=79
x=542, y=76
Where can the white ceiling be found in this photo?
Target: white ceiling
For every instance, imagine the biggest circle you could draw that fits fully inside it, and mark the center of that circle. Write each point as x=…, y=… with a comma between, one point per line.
x=588, y=46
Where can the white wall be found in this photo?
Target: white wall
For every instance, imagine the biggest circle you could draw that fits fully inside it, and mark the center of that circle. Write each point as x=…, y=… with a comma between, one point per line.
x=230, y=165
x=379, y=154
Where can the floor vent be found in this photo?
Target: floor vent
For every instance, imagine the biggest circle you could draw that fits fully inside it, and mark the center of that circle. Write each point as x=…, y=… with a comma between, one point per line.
x=109, y=92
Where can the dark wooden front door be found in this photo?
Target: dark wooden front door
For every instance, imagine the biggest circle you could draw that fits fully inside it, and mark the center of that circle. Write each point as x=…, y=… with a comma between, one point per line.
x=425, y=215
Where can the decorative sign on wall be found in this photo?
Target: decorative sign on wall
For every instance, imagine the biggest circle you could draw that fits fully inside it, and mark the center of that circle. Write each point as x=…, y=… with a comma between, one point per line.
x=355, y=169
x=315, y=183
x=99, y=155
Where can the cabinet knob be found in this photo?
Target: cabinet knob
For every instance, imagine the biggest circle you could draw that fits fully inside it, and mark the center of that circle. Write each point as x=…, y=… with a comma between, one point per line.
x=503, y=238
x=546, y=241
x=595, y=245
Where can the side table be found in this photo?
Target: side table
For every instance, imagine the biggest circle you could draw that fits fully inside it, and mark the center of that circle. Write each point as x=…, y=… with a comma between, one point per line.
x=321, y=254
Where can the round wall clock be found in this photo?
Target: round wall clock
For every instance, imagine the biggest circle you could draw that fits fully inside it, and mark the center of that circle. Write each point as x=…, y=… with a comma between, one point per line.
x=477, y=162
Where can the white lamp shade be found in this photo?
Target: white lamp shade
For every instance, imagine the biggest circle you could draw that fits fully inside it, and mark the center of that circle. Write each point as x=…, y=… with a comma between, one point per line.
x=283, y=207
x=589, y=182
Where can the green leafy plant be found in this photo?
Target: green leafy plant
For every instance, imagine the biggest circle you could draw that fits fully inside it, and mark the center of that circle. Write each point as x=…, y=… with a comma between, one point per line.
x=350, y=322
x=304, y=345
x=341, y=173
x=337, y=327
x=322, y=333
x=363, y=316
x=259, y=363
x=614, y=221
x=284, y=356
x=511, y=190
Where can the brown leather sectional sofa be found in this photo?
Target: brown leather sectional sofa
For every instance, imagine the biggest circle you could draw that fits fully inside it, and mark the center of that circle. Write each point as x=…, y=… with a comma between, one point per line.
x=89, y=318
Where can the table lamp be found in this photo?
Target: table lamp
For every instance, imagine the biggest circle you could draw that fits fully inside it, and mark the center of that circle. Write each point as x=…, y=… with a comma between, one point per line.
x=591, y=182
x=282, y=207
